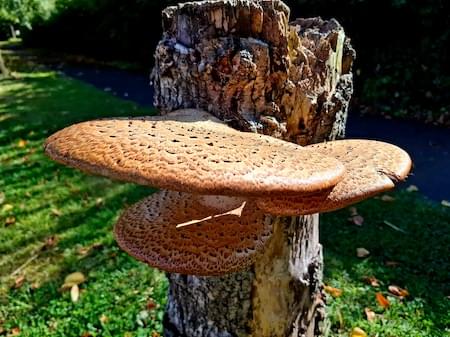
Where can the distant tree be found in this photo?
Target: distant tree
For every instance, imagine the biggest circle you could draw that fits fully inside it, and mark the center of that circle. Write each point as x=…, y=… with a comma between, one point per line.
x=20, y=14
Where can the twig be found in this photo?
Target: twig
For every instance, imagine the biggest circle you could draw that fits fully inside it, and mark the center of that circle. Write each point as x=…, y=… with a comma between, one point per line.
x=27, y=262
x=394, y=227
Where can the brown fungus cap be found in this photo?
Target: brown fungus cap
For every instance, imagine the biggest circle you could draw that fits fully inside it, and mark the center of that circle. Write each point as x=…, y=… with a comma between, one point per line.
x=372, y=167
x=196, y=155
x=148, y=231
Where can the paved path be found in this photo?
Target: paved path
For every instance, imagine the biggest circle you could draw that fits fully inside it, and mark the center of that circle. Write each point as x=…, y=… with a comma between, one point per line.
x=429, y=146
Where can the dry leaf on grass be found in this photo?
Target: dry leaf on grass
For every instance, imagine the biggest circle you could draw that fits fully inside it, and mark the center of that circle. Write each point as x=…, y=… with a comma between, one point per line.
x=10, y=221
x=373, y=281
x=397, y=291
x=370, y=314
x=412, y=188
x=335, y=292
x=103, y=319
x=362, y=252
x=387, y=198
x=50, y=242
x=151, y=304
x=382, y=301
x=56, y=212
x=358, y=332
x=7, y=207
x=22, y=143
x=392, y=264
x=357, y=220
x=353, y=211
x=19, y=281
x=14, y=332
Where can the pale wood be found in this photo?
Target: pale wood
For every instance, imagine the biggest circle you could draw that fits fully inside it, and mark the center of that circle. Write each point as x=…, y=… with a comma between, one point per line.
x=243, y=62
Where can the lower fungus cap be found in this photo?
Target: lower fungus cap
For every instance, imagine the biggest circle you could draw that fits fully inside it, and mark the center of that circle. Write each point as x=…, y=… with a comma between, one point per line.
x=372, y=167
x=209, y=247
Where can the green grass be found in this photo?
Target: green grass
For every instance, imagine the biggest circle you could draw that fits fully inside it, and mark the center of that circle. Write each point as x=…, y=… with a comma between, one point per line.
x=40, y=199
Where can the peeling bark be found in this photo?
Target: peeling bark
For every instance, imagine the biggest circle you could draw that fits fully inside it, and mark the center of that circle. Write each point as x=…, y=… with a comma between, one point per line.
x=244, y=62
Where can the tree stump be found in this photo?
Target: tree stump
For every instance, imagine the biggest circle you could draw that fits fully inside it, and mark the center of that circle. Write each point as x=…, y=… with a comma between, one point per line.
x=245, y=63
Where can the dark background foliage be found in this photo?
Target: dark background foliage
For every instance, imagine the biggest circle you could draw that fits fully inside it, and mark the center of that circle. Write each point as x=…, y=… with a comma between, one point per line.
x=402, y=45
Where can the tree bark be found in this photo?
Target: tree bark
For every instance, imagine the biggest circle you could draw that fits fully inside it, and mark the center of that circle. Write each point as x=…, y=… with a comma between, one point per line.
x=4, y=71
x=245, y=63
x=13, y=31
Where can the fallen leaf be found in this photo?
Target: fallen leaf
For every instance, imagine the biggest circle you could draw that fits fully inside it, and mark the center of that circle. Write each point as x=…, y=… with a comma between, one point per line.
x=412, y=188
x=358, y=332
x=19, y=281
x=358, y=220
x=14, y=332
x=373, y=281
x=397, y=291
x=7, y=207
x=86, y=334
x=444, y=203
x=155, y=334
x=382, y=301
x=50, y=242
x=353, y=211
x=104, y=319
x=10, y=221
x=73, y=279
x=335, y=292
x=362, y=252
x=56, y=212
x=387, y=198
x=370, y=314
x=35, y=285
x=21, y=143
x=83, y=250
x=75, y=293
x=151, y=304
x=392, y=263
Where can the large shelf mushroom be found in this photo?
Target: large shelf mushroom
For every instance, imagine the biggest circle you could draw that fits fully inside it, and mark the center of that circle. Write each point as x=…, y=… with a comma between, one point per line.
x=226, y=183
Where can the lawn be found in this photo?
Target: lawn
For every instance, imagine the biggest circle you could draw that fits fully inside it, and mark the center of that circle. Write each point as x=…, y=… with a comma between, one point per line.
x=55, y=221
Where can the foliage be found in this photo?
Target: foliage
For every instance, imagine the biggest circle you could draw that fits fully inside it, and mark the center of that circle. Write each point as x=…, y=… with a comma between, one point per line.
x=55, y=220
x=402, y=45
x=23, y=12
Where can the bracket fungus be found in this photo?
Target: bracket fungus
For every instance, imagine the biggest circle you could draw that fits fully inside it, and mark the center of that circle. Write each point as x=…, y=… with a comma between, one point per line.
x=223, y=184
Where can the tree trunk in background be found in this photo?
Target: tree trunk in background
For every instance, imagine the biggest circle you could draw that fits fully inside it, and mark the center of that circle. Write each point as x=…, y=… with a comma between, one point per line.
x=3, y=70
x=245, y=63
x=13, y=32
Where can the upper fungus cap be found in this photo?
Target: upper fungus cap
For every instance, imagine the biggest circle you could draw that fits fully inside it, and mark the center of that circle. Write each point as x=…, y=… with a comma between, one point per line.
x=372, y=167
x=194, y=154
x=217, y=246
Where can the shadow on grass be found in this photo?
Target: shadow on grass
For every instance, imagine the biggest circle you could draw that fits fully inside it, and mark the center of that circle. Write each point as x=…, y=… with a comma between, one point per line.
x=414, y=256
